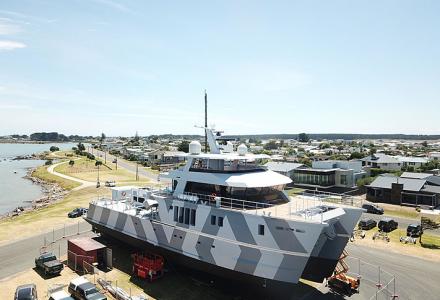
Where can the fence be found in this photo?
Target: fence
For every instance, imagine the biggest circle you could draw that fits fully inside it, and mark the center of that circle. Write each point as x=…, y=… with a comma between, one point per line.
x=51, y=239
x=375, y=281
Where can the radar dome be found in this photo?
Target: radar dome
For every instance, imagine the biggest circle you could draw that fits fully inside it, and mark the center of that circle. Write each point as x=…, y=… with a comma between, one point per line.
x=195, y=147
x=242, y=149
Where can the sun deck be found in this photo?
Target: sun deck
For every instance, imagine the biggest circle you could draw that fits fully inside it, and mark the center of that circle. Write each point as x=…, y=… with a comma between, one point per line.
x=301, y=208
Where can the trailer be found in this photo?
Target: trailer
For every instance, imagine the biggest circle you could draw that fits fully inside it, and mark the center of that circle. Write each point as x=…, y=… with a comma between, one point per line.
x=148, y=266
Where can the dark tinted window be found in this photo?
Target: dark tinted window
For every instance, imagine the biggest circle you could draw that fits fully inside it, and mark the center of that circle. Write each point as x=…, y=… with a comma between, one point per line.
x=261, y=229
x=193, y=217
x=220, y=221
x=213, y=219
x=24, y=294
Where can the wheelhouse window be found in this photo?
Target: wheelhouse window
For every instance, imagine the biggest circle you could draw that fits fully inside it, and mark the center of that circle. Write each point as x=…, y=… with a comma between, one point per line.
x=272, y=194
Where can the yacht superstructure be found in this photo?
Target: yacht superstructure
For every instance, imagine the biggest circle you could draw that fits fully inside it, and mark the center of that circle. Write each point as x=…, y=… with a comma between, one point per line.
x=226, y=214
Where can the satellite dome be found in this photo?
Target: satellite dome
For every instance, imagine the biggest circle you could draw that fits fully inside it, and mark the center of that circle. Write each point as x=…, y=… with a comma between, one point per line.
x=242, y=149
x=195, y=147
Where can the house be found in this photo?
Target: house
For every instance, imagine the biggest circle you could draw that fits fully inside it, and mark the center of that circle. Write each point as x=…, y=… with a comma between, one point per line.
x=330, y=174
x=410, y=161
x=284, y=168
x=382, y=161
x=408, y=191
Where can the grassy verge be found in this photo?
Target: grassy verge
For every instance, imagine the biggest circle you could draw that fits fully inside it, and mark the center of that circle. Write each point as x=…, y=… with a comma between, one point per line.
x=403, y=212
x=44, y=219
x=295, y=191
x=85, y=169
x=42, y=173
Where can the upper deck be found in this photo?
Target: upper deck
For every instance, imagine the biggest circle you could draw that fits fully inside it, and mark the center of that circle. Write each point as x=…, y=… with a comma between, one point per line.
x=305, y=209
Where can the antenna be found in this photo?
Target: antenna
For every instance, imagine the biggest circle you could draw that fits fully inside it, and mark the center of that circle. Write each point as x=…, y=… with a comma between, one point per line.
x=206, y=122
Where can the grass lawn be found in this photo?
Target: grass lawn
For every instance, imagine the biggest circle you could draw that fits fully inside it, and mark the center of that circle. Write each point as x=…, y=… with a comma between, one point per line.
x=428, y=250
x=295, y=191
x=45, y=219
x=42, y=173
x=85, y=169
x=401, y=211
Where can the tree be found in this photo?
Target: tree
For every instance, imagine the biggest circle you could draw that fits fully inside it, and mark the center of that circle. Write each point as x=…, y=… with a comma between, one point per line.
x=425, y=144
x=356, y=155
x=81, y=147
x=271, y=145
x=98, y=163
x=183, y=146
x=373, y=150
x=302, y=137
x=102, y=138
x=54, y=148
x=48, y=162
x=427, y=224
x=71, y=163
x=324, y=146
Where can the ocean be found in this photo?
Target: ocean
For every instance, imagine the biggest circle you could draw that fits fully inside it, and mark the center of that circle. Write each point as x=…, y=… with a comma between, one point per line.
x=14, y=189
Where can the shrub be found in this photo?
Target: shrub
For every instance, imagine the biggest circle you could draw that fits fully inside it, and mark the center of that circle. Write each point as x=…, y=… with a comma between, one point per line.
x=54, y=148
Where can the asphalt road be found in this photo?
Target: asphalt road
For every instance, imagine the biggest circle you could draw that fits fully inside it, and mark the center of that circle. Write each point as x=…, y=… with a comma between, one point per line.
x=19, y=256
x=416, y=278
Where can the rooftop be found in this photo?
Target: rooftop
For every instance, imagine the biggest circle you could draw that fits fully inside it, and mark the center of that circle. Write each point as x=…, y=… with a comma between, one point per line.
x=282, y=166
x=409, y=184
x=87, y=244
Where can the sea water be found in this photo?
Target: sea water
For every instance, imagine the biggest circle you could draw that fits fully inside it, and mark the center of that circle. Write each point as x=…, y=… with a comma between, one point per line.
x=14, y=189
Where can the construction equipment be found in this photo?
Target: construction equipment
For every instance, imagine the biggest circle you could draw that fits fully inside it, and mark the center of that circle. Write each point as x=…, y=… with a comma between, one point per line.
x=381, y=235
x=357, y=233
x=341, y=281
x=148, y=265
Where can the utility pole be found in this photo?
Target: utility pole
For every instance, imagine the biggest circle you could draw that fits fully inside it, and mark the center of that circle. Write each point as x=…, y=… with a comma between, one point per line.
x=116, y=159
x=206, y=122
x=105, y=157
x=137, y=170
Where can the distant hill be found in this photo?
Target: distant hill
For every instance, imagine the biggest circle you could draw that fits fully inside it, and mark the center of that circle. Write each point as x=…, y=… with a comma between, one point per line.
x=339, y=136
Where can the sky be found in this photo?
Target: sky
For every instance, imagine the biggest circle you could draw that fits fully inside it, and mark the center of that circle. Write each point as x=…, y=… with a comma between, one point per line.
x=120, y=67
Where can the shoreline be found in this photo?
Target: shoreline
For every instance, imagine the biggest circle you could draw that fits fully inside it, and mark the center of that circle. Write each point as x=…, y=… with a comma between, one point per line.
x=51, y=193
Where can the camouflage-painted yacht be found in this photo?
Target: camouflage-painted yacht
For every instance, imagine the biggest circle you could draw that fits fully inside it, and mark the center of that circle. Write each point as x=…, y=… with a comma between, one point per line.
x=225, y=214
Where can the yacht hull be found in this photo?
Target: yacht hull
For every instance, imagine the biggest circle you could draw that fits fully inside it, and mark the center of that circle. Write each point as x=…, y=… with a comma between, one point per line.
x=267, y=286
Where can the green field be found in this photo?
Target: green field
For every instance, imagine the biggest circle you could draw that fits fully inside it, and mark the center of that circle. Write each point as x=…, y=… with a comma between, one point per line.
x=85, y=169
x=42, y=173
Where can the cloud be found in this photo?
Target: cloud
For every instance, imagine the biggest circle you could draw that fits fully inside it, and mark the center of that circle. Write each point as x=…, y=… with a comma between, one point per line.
x=10, y=45
x=27, y=17
x=8, y=27
x=115, y=5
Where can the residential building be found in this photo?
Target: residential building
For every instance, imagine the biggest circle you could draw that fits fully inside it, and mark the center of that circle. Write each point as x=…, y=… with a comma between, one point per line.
x=382, y=161
x=284, y=168
x=407, y=191
x=330, y=174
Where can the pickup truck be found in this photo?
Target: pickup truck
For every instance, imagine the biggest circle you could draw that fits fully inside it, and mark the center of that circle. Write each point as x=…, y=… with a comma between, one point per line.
x=49, y=264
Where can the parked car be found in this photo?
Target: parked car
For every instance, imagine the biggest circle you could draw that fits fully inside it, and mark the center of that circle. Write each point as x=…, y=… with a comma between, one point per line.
x=110, y=183
x=26, y=292
x=49, y=264
x=387, y=225
x=60, y=295
x=367, y=224
x=414, y=230
x=77, y=212
x=373, y=209
x=82, y=289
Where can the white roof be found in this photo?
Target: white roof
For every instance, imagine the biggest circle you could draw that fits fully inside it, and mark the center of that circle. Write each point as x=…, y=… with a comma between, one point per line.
x=415, y=175
x=60, y=295
x=124, y=188
x=79, y=280
x=227, y=156
x=249, y=180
